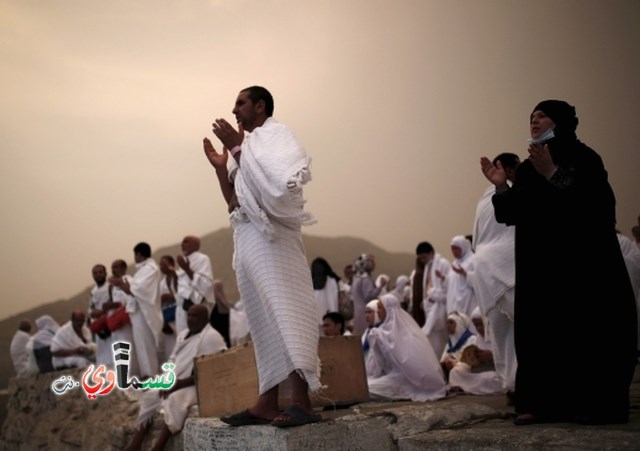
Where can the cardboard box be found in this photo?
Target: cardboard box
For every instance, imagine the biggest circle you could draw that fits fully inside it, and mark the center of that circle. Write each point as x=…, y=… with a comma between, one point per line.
x=227, y=382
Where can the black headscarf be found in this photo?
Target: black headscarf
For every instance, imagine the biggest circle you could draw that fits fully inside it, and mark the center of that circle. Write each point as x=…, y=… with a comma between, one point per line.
x=563, y=115
x=564, y=147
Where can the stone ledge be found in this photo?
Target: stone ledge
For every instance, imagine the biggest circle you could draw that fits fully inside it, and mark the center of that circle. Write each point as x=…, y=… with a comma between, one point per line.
x=456, y=423
x=368, y=426
x=211, y=434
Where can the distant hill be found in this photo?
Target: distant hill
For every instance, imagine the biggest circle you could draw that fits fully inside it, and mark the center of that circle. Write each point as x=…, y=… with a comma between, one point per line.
x=219, y=246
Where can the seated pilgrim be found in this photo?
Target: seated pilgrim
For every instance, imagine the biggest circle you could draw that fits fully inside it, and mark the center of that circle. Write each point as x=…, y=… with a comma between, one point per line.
x=71, y=346
x=372, y=319
x=40, y=358
x=197, y=340
x=18, y=348
x=475, y=373
x=402, y=363
x=333, y=325
x=482, y=340
x=460, y=336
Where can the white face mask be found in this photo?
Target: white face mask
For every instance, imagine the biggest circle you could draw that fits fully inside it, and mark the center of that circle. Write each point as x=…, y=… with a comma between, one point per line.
x=546, y=136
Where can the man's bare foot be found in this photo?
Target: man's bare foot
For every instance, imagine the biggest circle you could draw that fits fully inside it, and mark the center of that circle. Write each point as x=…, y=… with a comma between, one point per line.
x=296, y=415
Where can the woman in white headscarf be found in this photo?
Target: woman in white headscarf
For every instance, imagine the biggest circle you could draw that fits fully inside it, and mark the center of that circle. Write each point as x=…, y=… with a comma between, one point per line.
x=475, y=373
x=402, y=290
x=460, y=336
x=460, y=293
x=373, y=320
x=382, y=282
x=480, y=330
x=403, y=363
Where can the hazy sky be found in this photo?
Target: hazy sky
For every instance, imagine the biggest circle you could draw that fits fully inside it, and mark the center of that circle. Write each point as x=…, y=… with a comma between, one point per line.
x=105, y=104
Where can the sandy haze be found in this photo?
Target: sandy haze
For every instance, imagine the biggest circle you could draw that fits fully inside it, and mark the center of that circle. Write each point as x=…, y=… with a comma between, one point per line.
x=105, y=104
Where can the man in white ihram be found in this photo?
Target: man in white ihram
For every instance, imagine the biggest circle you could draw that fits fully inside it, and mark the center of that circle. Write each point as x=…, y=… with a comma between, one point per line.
x=199, y=339
x=98, y=296
x=71, y=346
x=195, y=281
x=144, y=308
x=263, y=189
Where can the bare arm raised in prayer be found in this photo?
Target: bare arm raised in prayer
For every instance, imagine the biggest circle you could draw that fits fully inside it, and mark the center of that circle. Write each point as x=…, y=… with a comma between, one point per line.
x=494, y=173
x=219, y=162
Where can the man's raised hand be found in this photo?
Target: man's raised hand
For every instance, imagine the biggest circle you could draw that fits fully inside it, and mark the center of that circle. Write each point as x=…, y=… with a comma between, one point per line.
x=229, y=136
x=217, y=160
x=494, y=173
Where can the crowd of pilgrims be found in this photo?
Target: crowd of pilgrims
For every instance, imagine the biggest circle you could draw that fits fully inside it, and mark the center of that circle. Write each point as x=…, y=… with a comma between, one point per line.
x=420, y=351
x=458, y=336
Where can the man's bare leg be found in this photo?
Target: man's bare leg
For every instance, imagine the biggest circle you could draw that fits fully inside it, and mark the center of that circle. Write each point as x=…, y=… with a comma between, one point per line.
x=138, y=438
x=267, y=405
x=162, y=440
x=299, y=395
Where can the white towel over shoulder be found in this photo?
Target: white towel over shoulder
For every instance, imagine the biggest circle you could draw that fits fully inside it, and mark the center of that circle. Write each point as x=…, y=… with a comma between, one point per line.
x=269, y=186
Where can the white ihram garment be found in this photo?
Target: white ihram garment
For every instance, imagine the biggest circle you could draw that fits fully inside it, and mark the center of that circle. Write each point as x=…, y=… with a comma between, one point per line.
x=176, y=406
x=146, y=315
x=18, y=351
x=238, y=326
x=631, y=255
x=199, y=289
x=65, y=339
x=494, y=280
x=460, y=294
x=269, y=257
x=97, y=297
x=434, y=303
x=327, y=298
x=167, y=341
x=125, y=333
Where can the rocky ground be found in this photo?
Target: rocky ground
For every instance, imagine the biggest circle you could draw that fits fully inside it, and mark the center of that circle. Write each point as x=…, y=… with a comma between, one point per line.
x=36, y=419
x=457, y=423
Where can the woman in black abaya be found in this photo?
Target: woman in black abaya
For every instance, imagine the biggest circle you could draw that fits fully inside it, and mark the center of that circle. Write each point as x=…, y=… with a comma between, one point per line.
x=570, y=277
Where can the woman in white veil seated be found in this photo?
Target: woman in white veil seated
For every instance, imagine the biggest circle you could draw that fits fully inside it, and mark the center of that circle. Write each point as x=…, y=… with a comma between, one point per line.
x=475, y=373
x=372, y=317
x=460, y=336
x=402, y=363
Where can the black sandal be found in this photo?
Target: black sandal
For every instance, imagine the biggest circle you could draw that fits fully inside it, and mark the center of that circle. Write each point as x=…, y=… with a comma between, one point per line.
x=244, y=418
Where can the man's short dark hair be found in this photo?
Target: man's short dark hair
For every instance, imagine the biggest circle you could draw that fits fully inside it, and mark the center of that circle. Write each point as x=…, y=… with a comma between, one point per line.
x=258, y=93
x=168, y=258
x=143, y=249
x=424, y=248
x=120, y=264
x=508, y=160
x=336, y=318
